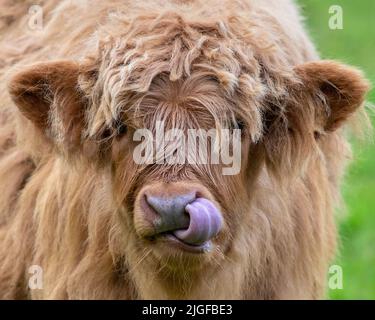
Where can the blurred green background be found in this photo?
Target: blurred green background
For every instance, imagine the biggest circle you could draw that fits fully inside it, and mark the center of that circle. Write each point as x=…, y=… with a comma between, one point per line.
x=355, y=45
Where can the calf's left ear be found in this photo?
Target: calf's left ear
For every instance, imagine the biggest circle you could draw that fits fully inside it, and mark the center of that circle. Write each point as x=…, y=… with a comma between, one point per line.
x=47, y=94
x=342, y=88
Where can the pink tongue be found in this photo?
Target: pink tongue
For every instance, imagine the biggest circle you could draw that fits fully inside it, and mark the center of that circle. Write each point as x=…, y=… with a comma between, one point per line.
x=205, y=222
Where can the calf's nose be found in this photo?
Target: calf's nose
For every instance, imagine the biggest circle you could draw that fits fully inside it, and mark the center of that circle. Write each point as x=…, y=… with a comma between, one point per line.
x=191, y=219
x=171, y=211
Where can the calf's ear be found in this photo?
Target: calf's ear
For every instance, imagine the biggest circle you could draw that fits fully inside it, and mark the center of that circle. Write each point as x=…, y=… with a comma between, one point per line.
x=47, y=94
x=342, y=88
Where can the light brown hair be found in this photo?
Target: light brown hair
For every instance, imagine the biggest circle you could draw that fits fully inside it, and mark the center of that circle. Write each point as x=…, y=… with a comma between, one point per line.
x=67, y=180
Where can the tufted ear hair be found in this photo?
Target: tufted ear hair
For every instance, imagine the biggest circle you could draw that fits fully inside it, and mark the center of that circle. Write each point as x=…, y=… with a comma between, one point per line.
x=47, y=94
x=342, y=88
x=320, y=98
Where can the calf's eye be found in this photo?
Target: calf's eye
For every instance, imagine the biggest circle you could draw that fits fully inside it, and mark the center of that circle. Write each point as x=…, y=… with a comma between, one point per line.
x=240, y=125
x=121, y=129
x=317, y=135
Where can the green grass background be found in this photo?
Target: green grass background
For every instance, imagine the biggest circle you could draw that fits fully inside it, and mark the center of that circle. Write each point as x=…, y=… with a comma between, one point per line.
x=355, y=45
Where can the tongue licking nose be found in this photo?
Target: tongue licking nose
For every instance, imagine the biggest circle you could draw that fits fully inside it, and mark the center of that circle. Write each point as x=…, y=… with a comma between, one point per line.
x=192, y=220
x=205, y=222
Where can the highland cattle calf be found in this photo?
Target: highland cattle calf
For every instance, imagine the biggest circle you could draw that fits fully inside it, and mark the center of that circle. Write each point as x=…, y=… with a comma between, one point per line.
x=99, y=224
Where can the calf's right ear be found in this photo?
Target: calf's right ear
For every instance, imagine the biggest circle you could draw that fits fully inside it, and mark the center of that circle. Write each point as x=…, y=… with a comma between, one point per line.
x=343, y=88
x=47, y=94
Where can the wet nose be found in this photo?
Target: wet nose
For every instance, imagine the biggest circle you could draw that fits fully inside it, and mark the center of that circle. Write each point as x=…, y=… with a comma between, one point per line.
x=171, y=214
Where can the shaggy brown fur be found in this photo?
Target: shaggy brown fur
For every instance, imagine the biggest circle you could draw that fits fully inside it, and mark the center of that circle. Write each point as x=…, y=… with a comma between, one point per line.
x=68, y=184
